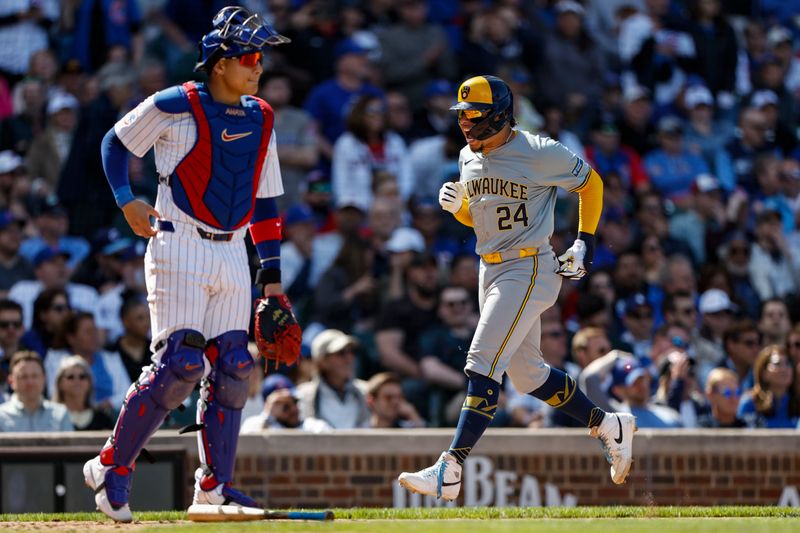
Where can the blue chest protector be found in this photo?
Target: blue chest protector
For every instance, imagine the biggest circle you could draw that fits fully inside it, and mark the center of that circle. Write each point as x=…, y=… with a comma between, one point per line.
x=217, y=180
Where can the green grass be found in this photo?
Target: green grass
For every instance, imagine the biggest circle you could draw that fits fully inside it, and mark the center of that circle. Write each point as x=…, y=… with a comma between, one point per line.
x=459, y=520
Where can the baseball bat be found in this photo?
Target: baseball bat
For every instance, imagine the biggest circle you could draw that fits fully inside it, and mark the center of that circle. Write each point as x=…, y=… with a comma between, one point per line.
x=234, y=513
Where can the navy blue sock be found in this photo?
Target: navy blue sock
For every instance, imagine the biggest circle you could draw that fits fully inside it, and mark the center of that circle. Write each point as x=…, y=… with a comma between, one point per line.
x=476, y=414
x=561, y=391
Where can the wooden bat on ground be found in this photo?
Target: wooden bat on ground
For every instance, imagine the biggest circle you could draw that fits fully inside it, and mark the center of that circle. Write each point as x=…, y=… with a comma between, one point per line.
x=234, y=513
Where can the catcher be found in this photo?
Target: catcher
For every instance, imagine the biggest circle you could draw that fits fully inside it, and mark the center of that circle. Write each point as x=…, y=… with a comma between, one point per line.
x=218, y=172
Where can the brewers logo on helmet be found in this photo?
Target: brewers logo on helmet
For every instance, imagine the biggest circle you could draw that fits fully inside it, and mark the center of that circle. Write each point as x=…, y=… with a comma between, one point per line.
x=236, y=32
x=488, y=103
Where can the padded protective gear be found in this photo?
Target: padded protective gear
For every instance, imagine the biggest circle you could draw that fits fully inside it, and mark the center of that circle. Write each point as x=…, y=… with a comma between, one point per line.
x=158, y=390
x=278, y=336
x=493, y=97
x=223, y=396
x=236, y=32
x=451, y=196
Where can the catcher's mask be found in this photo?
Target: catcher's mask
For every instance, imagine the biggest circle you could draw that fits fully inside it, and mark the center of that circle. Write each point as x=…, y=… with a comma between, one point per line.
x=236, y=32
x=488, y=103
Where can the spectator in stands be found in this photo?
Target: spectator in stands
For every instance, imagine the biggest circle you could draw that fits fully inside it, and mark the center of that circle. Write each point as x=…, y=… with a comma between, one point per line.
x=793, y=349
x=607, y=155
x=767, y=170
x=17, y=131
x=589, y=344
x=10, y=336
x=281, y=410
x=637, y=318
x=365, y=148
x=12, y=174
x=27, y=410
x=723, y=393
x=679, y=308
x=388, y=406
x=434, y=160
x=741, y=342
x=399, y=118
x=780, y=40
x=50, y=268
x=678, y=388
x=111, y=380
x=716, y=314
x=329, y=102
x=654, y=261
x=50, y=148
x=768, y=102
x=50, y=310
x=74, y=390
x=297, y=138
x=555, y=128
x=443, y=346
x=83, y=189
x=630, y=391
x=401, y=247
x=334, y=395
x=666, y=338
x=52, y=227
x=735, y=257
x=751, y=141
x=771, y=403
x=636, y=127
x=13, y=267
x=464, y=273
x=774, y=267
x=715, y=45
x=672, y=168
x=298, y=257
x=774, y=324
x=106, y=31
x=127, y=263
x=704, y=219
x=706, y=137
x=133, y=345
x=571, y=62
x=346, y=296
x=401, y=321
x=435, y=118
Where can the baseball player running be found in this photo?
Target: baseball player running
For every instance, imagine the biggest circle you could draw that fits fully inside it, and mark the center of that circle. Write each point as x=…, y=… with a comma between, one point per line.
x=218, y=174
x=507, y=193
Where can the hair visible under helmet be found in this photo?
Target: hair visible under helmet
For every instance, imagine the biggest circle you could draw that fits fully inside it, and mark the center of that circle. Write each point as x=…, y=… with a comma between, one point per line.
x=236, y=32
x=490, y=100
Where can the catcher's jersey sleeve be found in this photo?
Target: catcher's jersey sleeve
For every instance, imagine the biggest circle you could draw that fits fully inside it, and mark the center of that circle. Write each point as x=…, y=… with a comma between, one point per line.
x=271, y=183
x=143, y=125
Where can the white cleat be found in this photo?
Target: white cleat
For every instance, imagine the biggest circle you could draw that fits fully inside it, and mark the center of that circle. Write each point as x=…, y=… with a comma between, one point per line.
x=209, y=492
x=616, y=435
x=98, y=477
x=442, y=480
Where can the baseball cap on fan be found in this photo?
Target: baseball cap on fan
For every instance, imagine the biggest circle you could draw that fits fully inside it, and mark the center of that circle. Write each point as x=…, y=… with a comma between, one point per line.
x=698, y=95
x=275, y=382
x=330, y=341
x=764, y=98
x=569, y=6
x=626, y=371
x=405, y=240
x=9, y=162
x=713, y=301
x=60, y=101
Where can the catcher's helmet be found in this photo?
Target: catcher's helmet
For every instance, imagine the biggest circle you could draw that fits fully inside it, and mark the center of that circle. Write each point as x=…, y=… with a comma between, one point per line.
x=236, y=32
x=488, y=102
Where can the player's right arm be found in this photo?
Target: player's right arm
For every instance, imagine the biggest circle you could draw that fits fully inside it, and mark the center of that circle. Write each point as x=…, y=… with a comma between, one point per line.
x=453, y=198
x=135, y=133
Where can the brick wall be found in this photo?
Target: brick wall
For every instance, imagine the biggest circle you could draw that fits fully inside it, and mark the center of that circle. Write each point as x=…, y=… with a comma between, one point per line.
x=528, y=467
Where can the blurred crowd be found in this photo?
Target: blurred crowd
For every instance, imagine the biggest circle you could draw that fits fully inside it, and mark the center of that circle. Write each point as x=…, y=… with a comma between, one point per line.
x=688, y=109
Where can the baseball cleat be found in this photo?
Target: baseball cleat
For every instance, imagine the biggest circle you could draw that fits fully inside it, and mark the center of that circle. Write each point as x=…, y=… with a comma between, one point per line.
x=442, y=480
x=209, y=491
x=111, y=489
x=616, y=437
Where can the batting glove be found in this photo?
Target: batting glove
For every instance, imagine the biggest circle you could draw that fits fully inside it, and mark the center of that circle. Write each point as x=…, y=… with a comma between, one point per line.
x=575, y=262
x=451, y=196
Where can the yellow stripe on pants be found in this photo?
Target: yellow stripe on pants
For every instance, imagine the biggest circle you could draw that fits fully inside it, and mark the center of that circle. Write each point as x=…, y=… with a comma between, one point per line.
x=516, y=318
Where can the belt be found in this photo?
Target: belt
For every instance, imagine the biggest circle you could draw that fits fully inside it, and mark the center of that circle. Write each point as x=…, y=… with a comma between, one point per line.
x=508, y=255
x=166, y=225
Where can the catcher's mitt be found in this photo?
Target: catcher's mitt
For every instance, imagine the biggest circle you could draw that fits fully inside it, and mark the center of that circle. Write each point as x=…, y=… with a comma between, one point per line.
x=278, y=335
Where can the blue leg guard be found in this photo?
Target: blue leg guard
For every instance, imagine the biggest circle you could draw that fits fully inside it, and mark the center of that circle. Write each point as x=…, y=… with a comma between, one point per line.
x=163, y=388
x=219, y=412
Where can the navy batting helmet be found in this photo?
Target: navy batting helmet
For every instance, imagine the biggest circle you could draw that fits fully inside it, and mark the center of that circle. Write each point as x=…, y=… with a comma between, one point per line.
x=486, y=101
x=236, y=32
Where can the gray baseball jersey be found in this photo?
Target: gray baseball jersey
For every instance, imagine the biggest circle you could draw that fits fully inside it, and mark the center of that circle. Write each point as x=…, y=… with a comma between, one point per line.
x=512, y=195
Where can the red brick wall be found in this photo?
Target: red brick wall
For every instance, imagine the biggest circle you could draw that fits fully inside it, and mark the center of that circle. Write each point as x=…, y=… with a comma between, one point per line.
x=358, y=468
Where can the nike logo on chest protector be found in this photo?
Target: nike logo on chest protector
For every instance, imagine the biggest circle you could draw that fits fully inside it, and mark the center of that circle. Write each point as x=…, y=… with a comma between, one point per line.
x=228, y=137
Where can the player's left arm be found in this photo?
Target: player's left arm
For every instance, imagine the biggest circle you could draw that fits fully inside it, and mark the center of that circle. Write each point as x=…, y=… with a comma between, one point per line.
x=277, y=334
x=265, y=224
